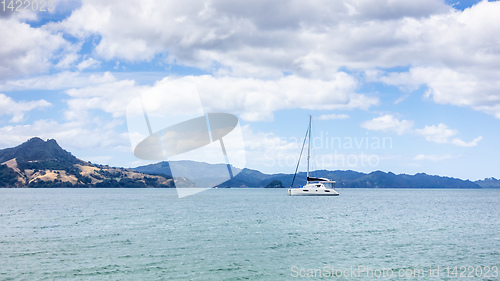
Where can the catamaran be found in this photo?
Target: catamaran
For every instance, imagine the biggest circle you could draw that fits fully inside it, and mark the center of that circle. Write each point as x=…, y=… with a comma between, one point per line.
x=314, y=186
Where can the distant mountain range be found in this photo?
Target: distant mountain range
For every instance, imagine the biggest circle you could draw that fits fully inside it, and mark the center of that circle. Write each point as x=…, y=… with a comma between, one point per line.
x=197, y=172
x=344, y=179
x=39, y=163
x=489, y=183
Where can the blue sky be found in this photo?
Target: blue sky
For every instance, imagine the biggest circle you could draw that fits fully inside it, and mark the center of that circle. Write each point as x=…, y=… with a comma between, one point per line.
x=400, y=86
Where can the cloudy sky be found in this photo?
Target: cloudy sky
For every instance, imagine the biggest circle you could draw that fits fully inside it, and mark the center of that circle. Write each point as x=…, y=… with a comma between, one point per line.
x=392, y=85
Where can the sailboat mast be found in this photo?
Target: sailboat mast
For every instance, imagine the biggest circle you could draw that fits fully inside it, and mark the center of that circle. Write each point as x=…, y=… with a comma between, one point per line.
x=308, y=150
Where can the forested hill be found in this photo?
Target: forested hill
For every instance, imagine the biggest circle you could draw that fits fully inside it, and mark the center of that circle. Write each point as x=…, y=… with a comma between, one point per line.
x=39, y=163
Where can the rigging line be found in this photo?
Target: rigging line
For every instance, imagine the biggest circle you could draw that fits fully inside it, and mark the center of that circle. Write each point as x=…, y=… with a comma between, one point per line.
x=297, y=168
x=225, y=156
x=146, y=118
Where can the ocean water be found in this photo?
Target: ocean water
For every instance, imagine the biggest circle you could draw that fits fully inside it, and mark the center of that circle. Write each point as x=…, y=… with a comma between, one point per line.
x=249, y=234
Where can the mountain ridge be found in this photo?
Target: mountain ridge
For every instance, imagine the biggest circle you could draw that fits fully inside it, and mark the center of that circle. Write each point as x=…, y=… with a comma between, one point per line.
x=344, y=178
x=39, y=163
x=36, y=149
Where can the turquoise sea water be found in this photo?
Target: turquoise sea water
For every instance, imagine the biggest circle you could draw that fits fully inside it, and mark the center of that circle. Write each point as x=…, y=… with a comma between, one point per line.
x=248, y=234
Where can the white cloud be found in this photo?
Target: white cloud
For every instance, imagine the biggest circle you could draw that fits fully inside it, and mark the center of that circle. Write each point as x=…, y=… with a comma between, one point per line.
x=111, y=97
x=309, y=39
x=459, y=142
x=434, y=157
x=388, y=123
x=386, y=9
x=86, y=92
x=442, y=134
x=260, y=39
x=257, y=99
x=437, y=134
x=91, y=95
x=71, y=135
x=17, y=110
x=452, y=52
x=267, y=151
x=253, y=99
x=333, y=116
x=462, y=87
x=58, y=81
x=88, y=63
x=401, y=98
x=26, y=50
x=456, y=56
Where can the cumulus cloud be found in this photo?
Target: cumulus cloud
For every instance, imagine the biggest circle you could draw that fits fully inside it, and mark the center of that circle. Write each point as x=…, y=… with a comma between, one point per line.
x=386, y=9
x=253, y=99
x=438, y=134
x=58, y=81
x=442, y=134
x=434, y=157
x=111, y=97
x=258, y=99
x=388, y=123
x=261, y=38
x=451, y=52
x=268, y=151
x=26, y=50
x=459, y=142
x=458, y=62
x=88, y=63
x=17, y=110
x=333, y=116
x=461, y=87
x=74, y=134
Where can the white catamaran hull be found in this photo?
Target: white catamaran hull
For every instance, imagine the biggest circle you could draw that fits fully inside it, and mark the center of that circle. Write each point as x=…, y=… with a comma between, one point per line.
x=312, y=192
